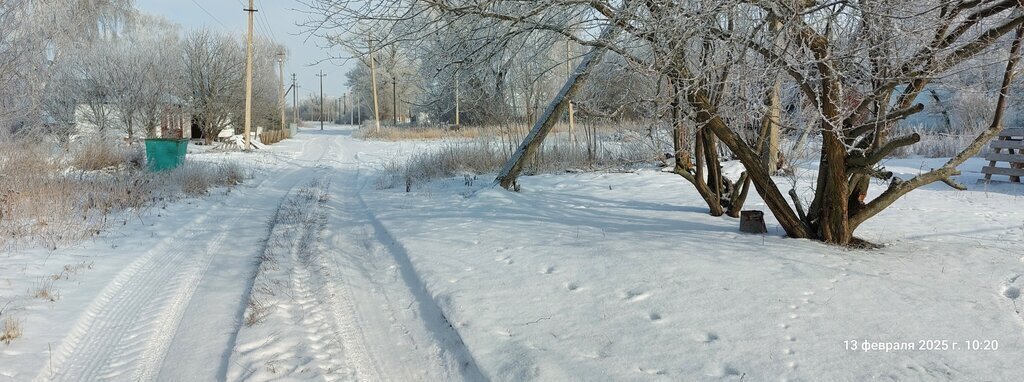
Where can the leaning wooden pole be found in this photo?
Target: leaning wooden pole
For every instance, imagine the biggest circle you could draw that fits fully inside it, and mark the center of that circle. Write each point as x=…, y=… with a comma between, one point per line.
x=514, y=167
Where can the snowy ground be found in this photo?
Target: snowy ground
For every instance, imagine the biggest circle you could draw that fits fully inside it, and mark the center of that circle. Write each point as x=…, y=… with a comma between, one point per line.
x=612, y=276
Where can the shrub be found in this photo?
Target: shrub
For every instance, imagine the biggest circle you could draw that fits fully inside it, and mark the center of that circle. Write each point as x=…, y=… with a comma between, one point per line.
x=488, y=154
x=95, y=154
x=52, y=197
x=11, y=330
x=197, y=178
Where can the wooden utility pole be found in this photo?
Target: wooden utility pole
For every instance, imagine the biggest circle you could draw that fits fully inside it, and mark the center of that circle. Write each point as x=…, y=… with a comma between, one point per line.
x=373, y=80
x=280, y=64
x=295, y=99
x=509, y=175
x=248, y=77
x=344, y=105
x=457, y=95
x=568, y=72
x=321, y=75
x=394, y=99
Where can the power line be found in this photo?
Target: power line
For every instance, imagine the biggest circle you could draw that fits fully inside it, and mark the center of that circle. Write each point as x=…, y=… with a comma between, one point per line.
x=210, y=14
x=259, y=26
x=267, y=21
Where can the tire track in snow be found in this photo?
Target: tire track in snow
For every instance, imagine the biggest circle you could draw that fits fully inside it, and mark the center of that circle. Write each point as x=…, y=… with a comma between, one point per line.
x=328, y=315
x=329, y=338
x=298, y=165
x=134, y=318
x=348, y=306
x=129, y=326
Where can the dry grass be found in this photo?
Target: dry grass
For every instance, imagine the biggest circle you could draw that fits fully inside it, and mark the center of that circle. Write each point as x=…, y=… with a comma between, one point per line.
x=51, y=197
x=196, y=179
x=510, y=132
x=71, y=270
x=485, y=155
x=11, y=330
x=42, y=200
x=256, y=312
x=427, y=133
x=97, y=155
x=44, y=290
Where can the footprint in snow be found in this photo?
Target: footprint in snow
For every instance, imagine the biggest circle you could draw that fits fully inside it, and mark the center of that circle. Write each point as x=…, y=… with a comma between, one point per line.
x=572, y=287
x=548, y=270
x=652, y=371
x=635, y=295
x=1010, y=289
x=723, y=371
x=1011, y=292
x=705, y=337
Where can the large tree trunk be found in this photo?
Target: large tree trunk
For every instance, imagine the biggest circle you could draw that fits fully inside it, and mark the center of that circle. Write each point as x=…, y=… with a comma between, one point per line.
x=684, y=167
x=772, y=121
x=707, y=115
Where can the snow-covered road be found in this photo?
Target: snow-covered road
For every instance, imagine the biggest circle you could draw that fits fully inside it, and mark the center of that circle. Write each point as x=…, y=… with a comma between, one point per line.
x=310, y=272
x=177, y=310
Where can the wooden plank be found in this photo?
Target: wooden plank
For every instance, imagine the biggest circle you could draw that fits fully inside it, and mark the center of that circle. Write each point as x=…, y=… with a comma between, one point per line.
x=1019, y=145
x=1012, y=158
x=1012, y=132
x=1003, y=171
x=996, y=181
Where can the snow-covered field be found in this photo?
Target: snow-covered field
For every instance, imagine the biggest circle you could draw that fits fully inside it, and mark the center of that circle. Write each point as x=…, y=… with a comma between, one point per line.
x=308, y=271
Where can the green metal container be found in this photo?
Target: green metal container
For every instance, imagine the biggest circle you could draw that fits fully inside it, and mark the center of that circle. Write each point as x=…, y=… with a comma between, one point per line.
x=165, y=153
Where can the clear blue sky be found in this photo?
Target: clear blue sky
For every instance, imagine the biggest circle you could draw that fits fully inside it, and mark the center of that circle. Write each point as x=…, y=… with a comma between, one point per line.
x=276, y=19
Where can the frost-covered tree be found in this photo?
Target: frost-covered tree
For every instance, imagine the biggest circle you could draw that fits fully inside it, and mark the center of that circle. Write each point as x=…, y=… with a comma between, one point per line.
x=859, y=66
x=42, y=39
x=96, y=80
x=266, y=84
x=212, y=64
x=15, y=53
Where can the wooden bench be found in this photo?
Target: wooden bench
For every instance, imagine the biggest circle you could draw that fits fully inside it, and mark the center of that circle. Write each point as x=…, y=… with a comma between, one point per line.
x=1011, y=140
